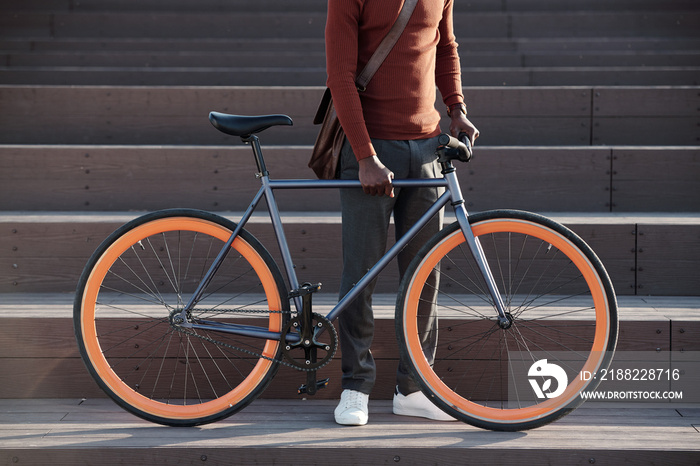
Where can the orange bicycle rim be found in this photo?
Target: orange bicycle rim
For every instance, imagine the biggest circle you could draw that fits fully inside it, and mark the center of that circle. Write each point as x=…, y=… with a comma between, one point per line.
x=102, y=366
x=525, y=414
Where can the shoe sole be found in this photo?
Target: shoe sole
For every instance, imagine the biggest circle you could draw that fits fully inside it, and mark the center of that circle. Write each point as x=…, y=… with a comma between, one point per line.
x=351, y=423
x=423, y=414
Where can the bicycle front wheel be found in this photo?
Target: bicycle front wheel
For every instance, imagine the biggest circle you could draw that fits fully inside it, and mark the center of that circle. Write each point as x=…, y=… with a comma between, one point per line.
x=562, y=321
x=139, y=280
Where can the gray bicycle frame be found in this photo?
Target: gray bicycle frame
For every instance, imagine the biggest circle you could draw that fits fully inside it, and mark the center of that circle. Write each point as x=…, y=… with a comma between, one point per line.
x=452, y=195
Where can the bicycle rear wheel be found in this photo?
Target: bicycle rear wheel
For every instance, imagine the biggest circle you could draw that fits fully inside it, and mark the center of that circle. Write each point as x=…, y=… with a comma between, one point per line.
x=139, y=278
x=562, y=321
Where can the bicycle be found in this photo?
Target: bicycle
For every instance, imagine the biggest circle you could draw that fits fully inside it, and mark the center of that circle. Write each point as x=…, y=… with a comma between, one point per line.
x=183, y=317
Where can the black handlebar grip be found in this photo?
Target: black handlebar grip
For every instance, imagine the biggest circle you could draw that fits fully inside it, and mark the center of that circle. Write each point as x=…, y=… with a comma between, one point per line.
x=462, y=145
x=448, y=141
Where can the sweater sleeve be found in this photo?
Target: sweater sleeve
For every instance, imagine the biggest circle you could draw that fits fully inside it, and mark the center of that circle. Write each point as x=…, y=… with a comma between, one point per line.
x=342, y=26
x=447, y=67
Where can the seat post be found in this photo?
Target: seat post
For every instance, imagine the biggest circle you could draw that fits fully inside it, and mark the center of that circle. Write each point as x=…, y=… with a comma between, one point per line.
x=257, y=152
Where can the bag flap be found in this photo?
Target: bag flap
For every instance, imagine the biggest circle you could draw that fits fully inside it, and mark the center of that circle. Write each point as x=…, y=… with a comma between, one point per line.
x=323, y=107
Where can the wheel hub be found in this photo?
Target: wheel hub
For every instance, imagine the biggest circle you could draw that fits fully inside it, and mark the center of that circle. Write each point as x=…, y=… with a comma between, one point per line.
x=507, y=323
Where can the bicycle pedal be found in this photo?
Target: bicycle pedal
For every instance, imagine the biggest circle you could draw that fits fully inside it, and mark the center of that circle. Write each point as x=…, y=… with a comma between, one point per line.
x=319, y=385
x=304, y=290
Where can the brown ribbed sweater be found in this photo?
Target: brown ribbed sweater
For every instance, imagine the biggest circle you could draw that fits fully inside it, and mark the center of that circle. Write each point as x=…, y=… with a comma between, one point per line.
x=399, y=102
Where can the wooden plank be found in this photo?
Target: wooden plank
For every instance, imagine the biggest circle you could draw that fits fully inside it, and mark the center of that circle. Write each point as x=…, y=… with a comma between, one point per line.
x=565, y=179
x=532, y=131
x=589, y=45
x=140, y=115
x=289, y=62
x=95, y=178
x=36, y=372
x=244, y=60
x=665, y=179
x=136, y=44
x=232, y=76
x=50, y=337
x=264, y=433
x=174, y=5
x=311, y=23
x=685, y=336
x=223, y=24
x=604, y=24
x=320, y=5
x=40, y=357
x=597, y=76
x=587, y=5
x=49, y=256
x=36, y=378
x=669, y=116
x=662, y=267
x=645, y=102
x=148, y=115
x=342, y=456
x=645, y=336
x=528, y=102
x=84, y=178
x=664, y=131
x=610, y=58
x=166, y=24
x=46, y=338
x=68, y=378
x=614, y=245
x=92, y=178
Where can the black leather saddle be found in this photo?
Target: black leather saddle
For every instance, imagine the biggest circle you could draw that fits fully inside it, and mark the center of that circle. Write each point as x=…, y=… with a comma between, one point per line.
x=244, y=126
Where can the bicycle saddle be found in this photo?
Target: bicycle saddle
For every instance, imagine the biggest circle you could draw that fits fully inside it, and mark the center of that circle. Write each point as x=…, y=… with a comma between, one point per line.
x=244, y=126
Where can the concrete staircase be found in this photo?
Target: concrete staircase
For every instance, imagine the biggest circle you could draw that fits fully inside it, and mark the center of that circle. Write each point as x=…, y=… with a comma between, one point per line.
x=589, y=112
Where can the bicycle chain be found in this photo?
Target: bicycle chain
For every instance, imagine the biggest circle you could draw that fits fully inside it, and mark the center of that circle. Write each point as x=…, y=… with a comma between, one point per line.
x=243, y=350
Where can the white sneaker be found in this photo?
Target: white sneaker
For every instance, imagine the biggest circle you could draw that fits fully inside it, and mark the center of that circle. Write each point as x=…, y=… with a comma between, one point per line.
x=418, y=405
x=352, y=409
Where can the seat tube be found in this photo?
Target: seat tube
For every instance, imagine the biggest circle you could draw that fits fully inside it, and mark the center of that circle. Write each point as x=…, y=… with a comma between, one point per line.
x=475, y=245
x=281, y=238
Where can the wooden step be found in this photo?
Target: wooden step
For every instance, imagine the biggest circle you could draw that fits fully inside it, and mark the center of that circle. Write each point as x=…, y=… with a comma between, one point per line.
x=654, y=254
x=505, y=115
x=221, y=178
x=309, y=24
x=514, y=6
x=587, y=45
x=40, y=358
x=314, y=76
x=307, y=59
x=73, y=431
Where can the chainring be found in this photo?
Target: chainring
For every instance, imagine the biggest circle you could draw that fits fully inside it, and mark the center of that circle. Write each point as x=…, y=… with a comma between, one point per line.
x=309, y=354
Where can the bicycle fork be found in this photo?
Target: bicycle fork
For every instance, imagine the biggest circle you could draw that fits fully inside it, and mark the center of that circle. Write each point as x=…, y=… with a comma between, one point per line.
x=477, y=252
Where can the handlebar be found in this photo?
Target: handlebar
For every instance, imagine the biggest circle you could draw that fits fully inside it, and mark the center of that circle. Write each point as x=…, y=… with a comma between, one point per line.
x=452, y=148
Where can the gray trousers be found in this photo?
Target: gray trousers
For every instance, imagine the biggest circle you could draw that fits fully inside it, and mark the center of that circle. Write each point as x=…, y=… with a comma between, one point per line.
x=365, y=227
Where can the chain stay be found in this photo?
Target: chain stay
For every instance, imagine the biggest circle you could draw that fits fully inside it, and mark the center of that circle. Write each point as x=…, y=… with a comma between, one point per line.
x=243, y=350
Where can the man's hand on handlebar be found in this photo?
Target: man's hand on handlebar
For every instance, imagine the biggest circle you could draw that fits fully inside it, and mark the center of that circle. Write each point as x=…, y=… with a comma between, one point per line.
x=460, y=124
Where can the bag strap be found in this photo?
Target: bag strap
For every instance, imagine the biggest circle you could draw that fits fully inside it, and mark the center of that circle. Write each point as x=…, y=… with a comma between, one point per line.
x=386, y=45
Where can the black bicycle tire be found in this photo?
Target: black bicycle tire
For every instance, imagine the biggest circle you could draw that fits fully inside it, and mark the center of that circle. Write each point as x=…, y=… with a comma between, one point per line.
x=474, y=220
x=165, y=214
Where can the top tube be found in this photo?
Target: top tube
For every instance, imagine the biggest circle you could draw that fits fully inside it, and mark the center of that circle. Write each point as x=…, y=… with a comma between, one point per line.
x=324, y=184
